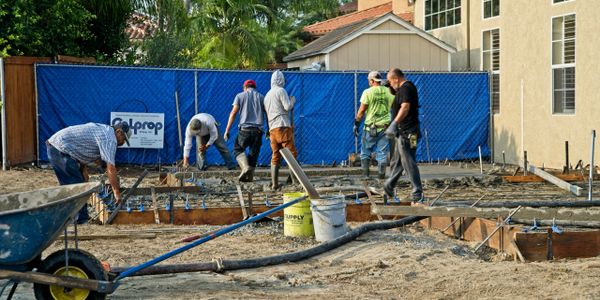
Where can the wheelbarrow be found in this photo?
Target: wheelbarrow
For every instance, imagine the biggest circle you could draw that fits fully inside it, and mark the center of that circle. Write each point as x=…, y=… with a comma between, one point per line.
x=31, y=221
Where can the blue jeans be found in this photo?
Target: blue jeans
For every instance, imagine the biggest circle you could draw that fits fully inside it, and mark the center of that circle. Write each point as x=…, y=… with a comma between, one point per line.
x=379, y=142
x=67, y=171
x=221, y=147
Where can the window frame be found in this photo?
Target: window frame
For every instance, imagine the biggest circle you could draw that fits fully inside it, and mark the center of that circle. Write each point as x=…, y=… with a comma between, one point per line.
x=562, y=65
x=552, y=2
x=483, y=17
x=425, y=15
x=491, y=70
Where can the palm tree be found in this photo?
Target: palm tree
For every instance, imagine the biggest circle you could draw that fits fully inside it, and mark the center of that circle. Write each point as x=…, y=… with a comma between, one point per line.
x=231, y=34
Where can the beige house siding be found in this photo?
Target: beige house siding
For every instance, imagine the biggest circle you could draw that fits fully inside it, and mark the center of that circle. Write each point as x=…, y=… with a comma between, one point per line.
x=306, y=61
x=525, y=60
x=381, y=50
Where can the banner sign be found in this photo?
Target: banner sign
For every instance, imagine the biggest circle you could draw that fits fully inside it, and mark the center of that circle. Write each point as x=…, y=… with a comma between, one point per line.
x=147, y=129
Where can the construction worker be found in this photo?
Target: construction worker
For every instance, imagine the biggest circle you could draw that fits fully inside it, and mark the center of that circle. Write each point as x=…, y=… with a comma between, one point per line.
x=205, y=129
x=251, y=107
x=404, y=128
x=72, y=149
x=375, y=102
x=278, y=106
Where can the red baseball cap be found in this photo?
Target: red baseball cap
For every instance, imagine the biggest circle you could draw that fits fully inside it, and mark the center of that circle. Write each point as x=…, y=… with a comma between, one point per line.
x=250, y=83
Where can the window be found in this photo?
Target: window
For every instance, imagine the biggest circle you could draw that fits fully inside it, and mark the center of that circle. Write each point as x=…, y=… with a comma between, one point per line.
x=491, y=8
x=441, y=13
x=563, y=65
x=490, y=54
x=560, y=1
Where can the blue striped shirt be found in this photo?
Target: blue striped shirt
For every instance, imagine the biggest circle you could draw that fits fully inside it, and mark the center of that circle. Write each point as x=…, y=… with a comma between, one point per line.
x=87, y=143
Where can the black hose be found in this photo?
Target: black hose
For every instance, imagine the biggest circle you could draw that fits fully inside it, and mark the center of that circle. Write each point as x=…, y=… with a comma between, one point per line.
x=228, y=265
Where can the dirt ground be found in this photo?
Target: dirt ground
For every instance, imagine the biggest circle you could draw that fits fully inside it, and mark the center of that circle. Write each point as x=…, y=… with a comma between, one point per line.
x=403, y=263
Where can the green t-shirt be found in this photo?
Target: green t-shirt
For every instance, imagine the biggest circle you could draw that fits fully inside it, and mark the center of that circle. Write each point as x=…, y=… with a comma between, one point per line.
x=379, y=101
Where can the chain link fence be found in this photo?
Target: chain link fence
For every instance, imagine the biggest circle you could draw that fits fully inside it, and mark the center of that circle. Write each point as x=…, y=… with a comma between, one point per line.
x=454, y=112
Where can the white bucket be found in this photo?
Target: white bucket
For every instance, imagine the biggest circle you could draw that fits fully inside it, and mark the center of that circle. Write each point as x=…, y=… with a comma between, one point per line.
x=329, y=217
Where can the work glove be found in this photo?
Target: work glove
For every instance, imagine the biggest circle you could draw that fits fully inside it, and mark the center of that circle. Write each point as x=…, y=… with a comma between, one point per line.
x=392, y=131
x=226, y=136
x=356, y=126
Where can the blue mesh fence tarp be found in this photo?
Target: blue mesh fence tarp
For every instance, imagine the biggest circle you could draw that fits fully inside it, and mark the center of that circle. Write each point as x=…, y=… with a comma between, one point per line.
x=454, y=108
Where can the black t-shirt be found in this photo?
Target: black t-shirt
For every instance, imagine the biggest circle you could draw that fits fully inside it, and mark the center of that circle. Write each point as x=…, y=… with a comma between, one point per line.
x=407, y=93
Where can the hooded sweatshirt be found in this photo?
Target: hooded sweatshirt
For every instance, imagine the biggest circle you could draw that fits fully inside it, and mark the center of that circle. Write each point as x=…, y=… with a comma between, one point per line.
x=277, y=103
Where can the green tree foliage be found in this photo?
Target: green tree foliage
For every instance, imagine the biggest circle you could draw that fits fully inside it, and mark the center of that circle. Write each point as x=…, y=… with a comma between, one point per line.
x=44, y=27
x=107, y=28
x=68, y=27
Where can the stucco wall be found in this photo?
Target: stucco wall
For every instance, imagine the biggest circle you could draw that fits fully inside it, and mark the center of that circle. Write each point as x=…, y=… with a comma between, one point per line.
x=525, y=57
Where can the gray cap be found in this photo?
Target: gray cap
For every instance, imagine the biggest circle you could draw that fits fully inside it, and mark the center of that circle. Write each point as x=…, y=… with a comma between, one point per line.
x=374, y=75
x=126, y=130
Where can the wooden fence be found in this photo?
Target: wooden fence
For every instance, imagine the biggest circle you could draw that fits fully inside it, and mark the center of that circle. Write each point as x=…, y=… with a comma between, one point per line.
x=20, y=105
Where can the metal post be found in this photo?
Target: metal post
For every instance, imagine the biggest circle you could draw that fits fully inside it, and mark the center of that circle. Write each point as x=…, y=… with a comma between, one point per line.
x=427, y=146
x=37, y=115
x=566, y=157
x=196, y=90
x=503, y=160
x=355, y=107
x=591, y=181
x=480, y=160
x=525, y=163
x=3, y=99
x=491, y=129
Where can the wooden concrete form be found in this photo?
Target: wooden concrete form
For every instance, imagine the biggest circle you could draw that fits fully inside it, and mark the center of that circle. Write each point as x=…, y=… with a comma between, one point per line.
x=531, y=246
x=213, y=216
x=509, y=239
x=540, y=246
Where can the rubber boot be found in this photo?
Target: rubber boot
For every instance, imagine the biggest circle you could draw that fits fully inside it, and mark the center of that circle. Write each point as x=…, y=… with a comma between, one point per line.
x=365, y=163
x=243, y=162
x=274, y=177
x=250, y=175
x=292, y=179
x=381, y=170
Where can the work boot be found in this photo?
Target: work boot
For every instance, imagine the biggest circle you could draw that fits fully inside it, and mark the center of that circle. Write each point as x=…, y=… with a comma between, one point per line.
x=243, y=162
x=365, y=163
x=274, y=177
x=381, y=170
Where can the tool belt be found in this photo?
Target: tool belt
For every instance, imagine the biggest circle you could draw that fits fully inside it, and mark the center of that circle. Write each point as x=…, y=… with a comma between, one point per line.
x=374, y=130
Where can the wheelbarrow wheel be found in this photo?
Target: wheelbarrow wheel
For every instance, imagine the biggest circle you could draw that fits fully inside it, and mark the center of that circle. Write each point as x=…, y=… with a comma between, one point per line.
x=82, y=264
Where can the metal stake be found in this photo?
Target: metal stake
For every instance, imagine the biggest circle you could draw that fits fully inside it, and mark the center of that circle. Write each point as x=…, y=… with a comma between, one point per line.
x=498, y=227
x=480, y=161
x=592, y=166
x=525, y=163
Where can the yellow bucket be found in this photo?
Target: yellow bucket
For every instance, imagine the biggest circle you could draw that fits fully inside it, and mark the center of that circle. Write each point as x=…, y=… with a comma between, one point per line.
x=297, y=219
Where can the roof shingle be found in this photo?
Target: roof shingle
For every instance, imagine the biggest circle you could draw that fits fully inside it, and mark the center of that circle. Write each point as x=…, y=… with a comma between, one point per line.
x=326, y=26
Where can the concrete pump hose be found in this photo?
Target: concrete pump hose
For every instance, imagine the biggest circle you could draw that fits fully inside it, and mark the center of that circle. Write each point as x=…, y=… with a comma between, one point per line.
x=229, y=265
